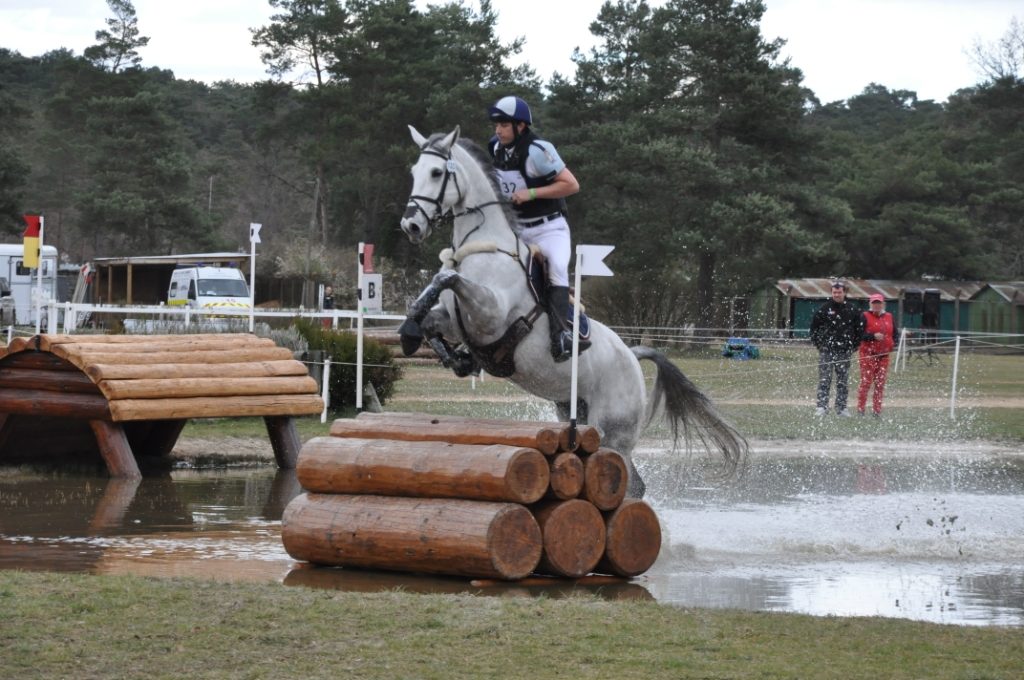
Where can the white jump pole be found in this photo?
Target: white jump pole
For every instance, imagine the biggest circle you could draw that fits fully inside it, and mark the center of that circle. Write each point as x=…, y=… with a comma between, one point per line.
x=359, y=331
x=325, y=392
x=589, y=261
x=956, y=366
x=254, y=238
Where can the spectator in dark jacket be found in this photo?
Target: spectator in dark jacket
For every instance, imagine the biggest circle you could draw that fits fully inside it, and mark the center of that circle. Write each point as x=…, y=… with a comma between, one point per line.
x=836, y=330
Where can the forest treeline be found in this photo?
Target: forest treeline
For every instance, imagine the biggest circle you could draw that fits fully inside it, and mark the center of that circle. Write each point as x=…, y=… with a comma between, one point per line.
x=700, y=153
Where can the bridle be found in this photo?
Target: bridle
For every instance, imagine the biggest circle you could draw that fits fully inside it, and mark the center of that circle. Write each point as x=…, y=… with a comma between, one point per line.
x=433, y=221
x=414, y=206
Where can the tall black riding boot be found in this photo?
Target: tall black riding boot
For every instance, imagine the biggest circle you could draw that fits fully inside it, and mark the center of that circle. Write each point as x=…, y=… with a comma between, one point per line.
x=558, y=314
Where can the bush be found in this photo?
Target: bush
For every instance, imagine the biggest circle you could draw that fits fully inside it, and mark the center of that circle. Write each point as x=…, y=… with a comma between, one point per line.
x=379, y=366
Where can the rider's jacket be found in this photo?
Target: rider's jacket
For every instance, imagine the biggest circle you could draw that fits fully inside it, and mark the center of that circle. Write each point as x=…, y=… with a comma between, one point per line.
x=530, y=162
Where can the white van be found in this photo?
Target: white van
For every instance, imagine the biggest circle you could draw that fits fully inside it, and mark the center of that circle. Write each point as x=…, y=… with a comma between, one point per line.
x=208, y=288
x=23, y=282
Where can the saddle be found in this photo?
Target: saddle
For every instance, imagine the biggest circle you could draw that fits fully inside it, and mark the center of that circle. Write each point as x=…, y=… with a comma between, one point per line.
x=537, y=282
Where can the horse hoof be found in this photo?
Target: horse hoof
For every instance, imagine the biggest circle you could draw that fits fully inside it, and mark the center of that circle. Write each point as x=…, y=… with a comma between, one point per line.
x=411, y=336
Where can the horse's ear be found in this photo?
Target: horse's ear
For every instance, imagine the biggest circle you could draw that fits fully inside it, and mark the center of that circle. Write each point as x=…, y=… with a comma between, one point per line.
x=417, y=137
x=453, y=136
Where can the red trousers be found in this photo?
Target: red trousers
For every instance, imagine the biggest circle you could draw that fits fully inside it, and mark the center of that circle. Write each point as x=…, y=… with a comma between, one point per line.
x=873, y=370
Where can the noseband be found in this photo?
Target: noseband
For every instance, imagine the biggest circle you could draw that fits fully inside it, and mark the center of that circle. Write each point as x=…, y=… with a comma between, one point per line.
x=414, y=205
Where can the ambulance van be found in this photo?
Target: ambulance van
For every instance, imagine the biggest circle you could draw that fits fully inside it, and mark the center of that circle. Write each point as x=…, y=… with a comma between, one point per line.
x=208, y=289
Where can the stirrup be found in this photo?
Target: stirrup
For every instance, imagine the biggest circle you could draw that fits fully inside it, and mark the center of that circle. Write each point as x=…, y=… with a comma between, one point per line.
x=561, y=347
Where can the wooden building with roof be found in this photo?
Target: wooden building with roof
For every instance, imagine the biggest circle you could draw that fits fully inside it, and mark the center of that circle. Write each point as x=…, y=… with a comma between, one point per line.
x=789, y=304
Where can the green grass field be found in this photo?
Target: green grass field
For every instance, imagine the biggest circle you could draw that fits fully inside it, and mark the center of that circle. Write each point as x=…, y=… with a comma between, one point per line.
x=74, y=626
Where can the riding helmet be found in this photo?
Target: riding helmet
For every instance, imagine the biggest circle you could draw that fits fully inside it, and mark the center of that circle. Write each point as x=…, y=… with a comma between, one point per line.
x=510, y=110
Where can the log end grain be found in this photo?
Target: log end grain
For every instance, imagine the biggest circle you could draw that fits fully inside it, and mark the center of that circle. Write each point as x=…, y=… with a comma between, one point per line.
x=605, y=479
x=633, y=539
x=588, y=439
x=528, y=476
x=566, y=473
x=574, y=537
x=514, y=542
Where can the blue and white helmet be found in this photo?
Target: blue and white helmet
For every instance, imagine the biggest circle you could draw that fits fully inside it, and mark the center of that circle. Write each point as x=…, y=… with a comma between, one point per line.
x=510, y=110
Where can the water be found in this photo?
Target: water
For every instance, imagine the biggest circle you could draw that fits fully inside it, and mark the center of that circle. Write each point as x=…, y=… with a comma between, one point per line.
x=925, y=535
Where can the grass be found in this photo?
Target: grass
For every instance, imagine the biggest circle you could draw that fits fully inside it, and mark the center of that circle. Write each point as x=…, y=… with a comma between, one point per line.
x=57, y=625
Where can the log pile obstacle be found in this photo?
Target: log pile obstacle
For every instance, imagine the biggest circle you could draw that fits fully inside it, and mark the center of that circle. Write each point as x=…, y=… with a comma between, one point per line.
x=124, y=396
x=472, y=497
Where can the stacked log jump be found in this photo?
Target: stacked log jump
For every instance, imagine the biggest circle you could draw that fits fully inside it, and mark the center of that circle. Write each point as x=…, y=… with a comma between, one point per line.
x=125, y=395
x=469, y=497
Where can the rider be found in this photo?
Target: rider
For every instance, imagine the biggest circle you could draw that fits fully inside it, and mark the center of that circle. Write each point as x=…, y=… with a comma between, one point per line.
x=536, y=180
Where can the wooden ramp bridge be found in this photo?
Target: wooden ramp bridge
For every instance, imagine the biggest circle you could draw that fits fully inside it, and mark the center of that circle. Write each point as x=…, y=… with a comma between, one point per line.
x=129, y=396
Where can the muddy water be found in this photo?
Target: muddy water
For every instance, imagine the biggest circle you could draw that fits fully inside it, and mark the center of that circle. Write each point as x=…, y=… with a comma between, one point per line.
x=909, y=533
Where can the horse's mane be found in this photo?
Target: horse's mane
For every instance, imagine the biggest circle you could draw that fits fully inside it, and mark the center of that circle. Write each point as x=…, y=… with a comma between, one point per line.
x=483, y=161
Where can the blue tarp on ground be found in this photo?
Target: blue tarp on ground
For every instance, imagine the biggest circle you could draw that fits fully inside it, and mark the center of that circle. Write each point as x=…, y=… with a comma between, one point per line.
x=740, y=348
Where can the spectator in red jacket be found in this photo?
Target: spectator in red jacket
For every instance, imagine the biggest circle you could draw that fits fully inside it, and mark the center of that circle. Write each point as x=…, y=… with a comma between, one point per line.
x=879, y=338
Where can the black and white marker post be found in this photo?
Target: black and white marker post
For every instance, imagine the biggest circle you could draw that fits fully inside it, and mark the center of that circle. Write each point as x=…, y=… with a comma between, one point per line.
x=589, y=261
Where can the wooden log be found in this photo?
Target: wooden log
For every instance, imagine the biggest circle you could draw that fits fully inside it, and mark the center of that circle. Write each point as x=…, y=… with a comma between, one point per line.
x=445, y=429
x=19, y=344
x=284, y=440
x=566, y=476
x=48, y=342
x=181, y=343
x=191, y=356
x=423, y=469
x=633, y=539
x=255, y=369
x=441, y=536
x=214, y=407
x=39, y=360
x=574, y=537
x=588, y=439
x=163, y=388
x=605, y=479
x=115, y=449
x=55, y=404
x=46, y=380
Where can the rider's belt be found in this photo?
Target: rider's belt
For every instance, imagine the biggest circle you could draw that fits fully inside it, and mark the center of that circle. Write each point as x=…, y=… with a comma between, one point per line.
x=540, y=220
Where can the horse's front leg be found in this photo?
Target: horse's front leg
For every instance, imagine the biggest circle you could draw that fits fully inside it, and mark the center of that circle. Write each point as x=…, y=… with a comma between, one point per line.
x=411, y=332
x=438, y=330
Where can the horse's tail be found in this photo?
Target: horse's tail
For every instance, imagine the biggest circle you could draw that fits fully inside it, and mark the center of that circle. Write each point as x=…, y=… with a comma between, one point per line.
x=690, y=412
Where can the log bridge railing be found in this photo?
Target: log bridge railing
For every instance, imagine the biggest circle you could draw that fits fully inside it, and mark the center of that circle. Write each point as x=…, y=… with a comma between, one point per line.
x=121, y=393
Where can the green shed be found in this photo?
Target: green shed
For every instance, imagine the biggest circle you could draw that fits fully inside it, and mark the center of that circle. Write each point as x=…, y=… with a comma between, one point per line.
x=998, y=309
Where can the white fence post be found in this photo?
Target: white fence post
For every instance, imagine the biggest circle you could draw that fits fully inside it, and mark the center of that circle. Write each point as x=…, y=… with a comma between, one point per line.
x=956, y=366
x=325, y=391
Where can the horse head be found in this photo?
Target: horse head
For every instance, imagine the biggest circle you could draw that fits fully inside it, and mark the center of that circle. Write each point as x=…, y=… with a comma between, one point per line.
x=435, y=184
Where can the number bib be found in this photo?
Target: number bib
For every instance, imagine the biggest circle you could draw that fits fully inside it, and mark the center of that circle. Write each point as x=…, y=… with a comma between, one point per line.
x=510, y=181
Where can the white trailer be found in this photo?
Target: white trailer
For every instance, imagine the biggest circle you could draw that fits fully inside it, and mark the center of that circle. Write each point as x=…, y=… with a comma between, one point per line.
x=23, y=282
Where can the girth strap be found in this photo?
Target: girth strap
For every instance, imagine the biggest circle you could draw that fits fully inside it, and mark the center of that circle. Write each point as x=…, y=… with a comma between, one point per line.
x=498, y=357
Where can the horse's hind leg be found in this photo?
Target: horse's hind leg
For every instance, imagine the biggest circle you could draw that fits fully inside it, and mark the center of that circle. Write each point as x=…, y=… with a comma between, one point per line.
x=618, y=434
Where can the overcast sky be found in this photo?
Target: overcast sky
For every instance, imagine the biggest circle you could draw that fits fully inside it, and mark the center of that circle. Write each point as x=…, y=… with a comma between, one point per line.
x=841, y=45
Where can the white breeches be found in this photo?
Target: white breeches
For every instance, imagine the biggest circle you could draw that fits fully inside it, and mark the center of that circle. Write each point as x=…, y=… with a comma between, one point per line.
x=555, y=243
